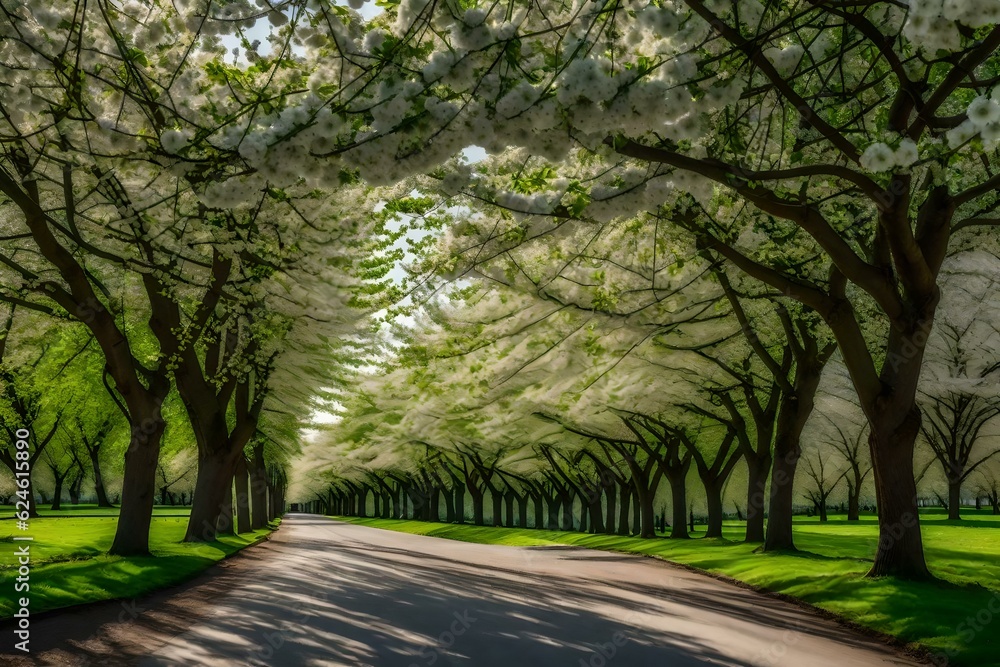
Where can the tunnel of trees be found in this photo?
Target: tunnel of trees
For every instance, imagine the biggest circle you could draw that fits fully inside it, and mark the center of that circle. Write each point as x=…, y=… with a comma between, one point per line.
x=596, y=264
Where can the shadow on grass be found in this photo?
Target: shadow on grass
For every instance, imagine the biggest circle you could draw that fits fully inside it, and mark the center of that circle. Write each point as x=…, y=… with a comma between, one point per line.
x=806, y=554
x=88, y=574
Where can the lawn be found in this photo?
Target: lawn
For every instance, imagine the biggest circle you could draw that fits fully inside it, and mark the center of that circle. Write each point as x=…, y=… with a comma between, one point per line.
x=69, y=565
x=829, y=573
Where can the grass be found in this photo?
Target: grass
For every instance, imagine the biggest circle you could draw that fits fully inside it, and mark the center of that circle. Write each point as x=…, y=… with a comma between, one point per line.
x=83, y=509
x=69, y=565
x=828, y=573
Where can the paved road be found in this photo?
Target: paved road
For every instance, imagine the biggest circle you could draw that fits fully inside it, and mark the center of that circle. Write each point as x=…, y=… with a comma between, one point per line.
x=323, y=593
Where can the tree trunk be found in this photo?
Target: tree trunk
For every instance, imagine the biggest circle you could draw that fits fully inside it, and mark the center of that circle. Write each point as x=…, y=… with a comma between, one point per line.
x=584, y=524
x=646, y=513
x=449, y=505
x=713, y=494
x=224, y=522
x=281, y=499
x=853, y=501
x=271, y=503
x=539, y=511
x=624, y=498
x=793, y=413
x=363, y=502
x=610, y=492
x=900, y=547
x=522, y=511
x=553, y=516
x=567, y=511
x=509, y=509
x=277, y=506
x=595, y=511
x=242, y=499
x=779, y=535
x=74, y=488
x=215, y=475
x=954, y=499
x=638, y=516
x=138, y=485
x=434, y=507
x=822, y=510
x=99, y=490
x=418, y=503
x=57, y=493
x=756, y=487
x=678, y=499
x=477, y=509
x=497, y=504
x=258, y=489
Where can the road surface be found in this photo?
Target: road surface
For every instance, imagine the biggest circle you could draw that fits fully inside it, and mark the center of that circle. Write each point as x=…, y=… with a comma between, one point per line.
x=326, y=594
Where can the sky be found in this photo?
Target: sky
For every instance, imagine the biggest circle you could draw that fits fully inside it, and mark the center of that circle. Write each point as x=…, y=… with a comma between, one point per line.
x=261, y=29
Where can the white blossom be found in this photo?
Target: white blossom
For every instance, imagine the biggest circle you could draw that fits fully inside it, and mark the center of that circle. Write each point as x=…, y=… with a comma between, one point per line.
x=173, y=141
x=878, y=157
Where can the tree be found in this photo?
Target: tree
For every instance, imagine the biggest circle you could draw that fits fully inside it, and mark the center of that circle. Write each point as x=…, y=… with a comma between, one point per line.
x=674, y=460
x=737, y=402
x=958, y=390
x=26, y=371
x=92, y=444
x=714, y=472
x=241, y=481
x=134, y=211
x=989, y=487
x=869, y=175
x=823, y=483
x=173, y=470
x=850, y=447
x=61, y=467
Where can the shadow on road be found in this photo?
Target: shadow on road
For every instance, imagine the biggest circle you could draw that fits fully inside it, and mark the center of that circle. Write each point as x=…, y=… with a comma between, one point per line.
x=330, y=594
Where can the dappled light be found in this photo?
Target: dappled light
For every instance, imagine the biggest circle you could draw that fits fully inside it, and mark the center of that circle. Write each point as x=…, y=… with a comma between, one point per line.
x=453, y=285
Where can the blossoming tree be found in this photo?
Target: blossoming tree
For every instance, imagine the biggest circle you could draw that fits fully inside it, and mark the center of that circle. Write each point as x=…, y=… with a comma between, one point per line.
x=866, y=131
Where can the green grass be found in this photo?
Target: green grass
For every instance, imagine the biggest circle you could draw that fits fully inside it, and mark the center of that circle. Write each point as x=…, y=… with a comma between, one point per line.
x=828, y=573
x=69, y=565
x=7, y=511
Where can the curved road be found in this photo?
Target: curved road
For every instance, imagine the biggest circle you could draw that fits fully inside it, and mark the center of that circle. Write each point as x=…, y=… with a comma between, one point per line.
x=330, y=594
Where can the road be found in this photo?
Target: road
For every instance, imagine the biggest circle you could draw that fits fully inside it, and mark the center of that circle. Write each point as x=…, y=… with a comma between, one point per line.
x=330, y=594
